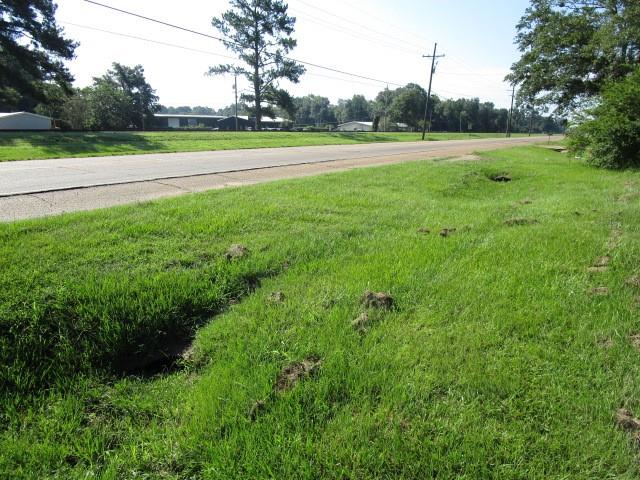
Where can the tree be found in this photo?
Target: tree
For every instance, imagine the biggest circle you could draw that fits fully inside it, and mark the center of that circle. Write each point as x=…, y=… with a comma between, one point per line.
x=32, y=50
x=357, y=108
x=610, y=135
x=314, y=110
x=110, y=107
x=143, y=101
x=259, y=32
x=407, y=105
x=572, y=48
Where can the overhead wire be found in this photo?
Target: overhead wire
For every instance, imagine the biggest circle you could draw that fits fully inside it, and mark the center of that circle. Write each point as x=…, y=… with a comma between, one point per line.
x=226, y=41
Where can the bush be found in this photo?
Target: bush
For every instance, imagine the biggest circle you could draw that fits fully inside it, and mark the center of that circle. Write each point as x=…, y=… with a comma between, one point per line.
x=610, y=136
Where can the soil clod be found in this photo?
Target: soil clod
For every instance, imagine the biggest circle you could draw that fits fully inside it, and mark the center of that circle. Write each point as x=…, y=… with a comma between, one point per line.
x=626, y=420
x=512, y=222
x=445, y=232
x=236, y=251
x=293, y=373
x=376, y=300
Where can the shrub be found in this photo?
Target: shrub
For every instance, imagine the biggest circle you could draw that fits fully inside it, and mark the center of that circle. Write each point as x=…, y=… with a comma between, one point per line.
x=610, y=136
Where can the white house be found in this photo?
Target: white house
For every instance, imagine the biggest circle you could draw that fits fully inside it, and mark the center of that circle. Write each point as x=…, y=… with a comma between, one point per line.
x=355, y=127
x=24, y=121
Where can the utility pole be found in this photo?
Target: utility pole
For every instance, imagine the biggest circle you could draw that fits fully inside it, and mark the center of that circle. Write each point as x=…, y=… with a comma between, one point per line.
x=433, y=69
x=235, y=89
x=513, y=94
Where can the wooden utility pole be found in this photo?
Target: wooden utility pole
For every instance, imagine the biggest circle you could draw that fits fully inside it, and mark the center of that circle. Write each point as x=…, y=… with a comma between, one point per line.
x=433, y=69
x=513, y=94
x=235, y=88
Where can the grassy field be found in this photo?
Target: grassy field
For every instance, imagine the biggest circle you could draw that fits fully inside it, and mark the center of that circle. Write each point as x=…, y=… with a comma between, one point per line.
x=498, y=353
x=29, y=146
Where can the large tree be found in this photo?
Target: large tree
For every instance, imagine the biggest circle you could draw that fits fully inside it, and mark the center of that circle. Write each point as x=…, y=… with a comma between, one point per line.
x=32, y=51
x=572, y=48
x=143, y=101
x=259, y=32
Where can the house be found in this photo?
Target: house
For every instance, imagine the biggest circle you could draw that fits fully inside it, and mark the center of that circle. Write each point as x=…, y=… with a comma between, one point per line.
x=249, y=123
x=172, y=120
x=229, y=123
x=355, y=126
x=24, y=121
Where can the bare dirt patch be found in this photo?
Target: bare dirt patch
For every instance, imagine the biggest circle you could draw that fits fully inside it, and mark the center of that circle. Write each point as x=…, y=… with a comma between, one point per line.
x=526, y=201
x=633, y=281
x=520, y=221
x=614, y=239
x=634, y=338
x=597, y=269
x=600, y=291
x=236, y=251
x=295, y=372
x=603, y=261
x=371, y=299
x=605, y=342
x=277, y=297
x=424, y=230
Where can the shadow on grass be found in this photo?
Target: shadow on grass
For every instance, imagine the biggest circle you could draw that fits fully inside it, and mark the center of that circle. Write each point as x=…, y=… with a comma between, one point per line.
x=77, y=143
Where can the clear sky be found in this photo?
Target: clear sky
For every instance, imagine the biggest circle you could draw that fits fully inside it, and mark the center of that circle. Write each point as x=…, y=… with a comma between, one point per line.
x=380, y=39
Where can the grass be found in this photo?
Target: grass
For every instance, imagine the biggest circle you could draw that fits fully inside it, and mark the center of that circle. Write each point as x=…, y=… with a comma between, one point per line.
x=30, y=146
x=495, y=361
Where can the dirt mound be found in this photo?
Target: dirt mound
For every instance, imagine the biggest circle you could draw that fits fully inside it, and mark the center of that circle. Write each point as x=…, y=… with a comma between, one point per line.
x=236, y=251
x=626, y=420
x=500, y=177
x=293, y=373
x=376, y=300
x=512, y=222
x=445, y=232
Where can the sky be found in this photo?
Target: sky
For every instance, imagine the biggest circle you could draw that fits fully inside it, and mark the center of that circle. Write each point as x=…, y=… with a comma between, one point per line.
x=382, y=40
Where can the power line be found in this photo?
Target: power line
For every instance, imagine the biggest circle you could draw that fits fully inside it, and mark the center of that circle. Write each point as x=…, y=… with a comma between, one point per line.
x=205, y=52
x=158, y=42
x=355, y=34
x=331, y=69
x=364, y=27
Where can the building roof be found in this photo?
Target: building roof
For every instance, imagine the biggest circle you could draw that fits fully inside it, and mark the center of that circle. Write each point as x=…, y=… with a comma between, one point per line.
x=370, y=124
x=264, y=119
x=186, y=115
x=11, y=114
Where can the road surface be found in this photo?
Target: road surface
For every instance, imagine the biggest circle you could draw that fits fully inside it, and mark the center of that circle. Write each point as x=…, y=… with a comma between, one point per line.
x=34, y=188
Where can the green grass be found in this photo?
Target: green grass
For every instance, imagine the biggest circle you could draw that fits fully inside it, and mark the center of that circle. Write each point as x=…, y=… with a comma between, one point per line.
x=29, y=146
x=495, y=362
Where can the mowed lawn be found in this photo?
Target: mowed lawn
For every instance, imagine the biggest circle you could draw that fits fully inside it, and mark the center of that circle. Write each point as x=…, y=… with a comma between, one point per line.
x=30, y=146
x=504, y=348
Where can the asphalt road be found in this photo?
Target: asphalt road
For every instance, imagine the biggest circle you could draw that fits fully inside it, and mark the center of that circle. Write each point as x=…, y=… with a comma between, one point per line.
x=35, y=188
